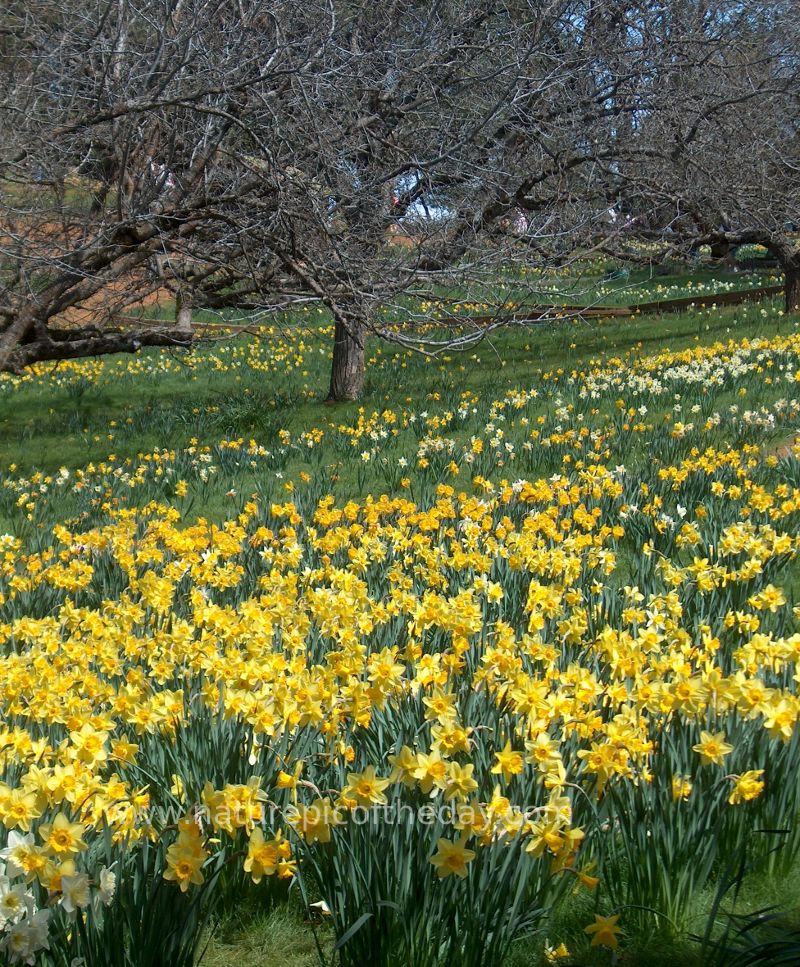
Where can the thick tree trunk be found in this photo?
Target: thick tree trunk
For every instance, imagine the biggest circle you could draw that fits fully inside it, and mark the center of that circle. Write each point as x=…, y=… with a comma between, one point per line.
x=15, y=332
x=183, y=313
x=347, y=369
x=792, y=286
x=724, y=252
x=720, y=250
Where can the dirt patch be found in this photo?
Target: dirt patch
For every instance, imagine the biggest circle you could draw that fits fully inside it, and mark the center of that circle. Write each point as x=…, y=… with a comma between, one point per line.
x=129, y=293
x=785, y=448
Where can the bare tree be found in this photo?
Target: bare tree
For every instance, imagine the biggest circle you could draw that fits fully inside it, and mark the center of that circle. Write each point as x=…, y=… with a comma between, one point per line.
x=265, y=155
x=720, y=159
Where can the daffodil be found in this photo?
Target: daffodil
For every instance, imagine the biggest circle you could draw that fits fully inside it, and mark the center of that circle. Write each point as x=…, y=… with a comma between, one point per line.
x=263, y=856
x=604, y=931
x=748, y=786
x=315, y=821
x=366, y=788
x=712, y=748
x=62, y=837
x=508, y=762
x=184, y=865
x=452, y=858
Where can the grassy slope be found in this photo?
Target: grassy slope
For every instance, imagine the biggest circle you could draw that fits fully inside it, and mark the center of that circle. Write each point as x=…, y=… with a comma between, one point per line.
x=73, y=425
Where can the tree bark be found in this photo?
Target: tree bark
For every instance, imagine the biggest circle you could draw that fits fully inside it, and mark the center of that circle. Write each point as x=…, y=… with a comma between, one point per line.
x=347, y=368
x=791, y=285
x=725, y=253
x=720, y=250
x=78, y=344
x=183, y=313
x=13, y=334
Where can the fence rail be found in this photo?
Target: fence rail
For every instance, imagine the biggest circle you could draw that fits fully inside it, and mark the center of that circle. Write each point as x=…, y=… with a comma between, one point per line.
x=535, y=314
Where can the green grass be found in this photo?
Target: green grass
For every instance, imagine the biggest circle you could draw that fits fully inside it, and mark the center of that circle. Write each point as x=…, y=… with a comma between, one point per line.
x=282, y=937
x=603, y=284
x=127, y=406
x=73, y=425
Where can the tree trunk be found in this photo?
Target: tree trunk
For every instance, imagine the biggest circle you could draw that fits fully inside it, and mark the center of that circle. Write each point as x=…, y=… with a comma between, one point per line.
x=13, y=335
x=723, y=252
x=792, y=286
x=347, y=368
x=719, y=250
x=183, y=313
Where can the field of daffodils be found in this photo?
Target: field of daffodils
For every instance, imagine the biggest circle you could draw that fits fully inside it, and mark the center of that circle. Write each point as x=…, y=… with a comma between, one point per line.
x=546, y=651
